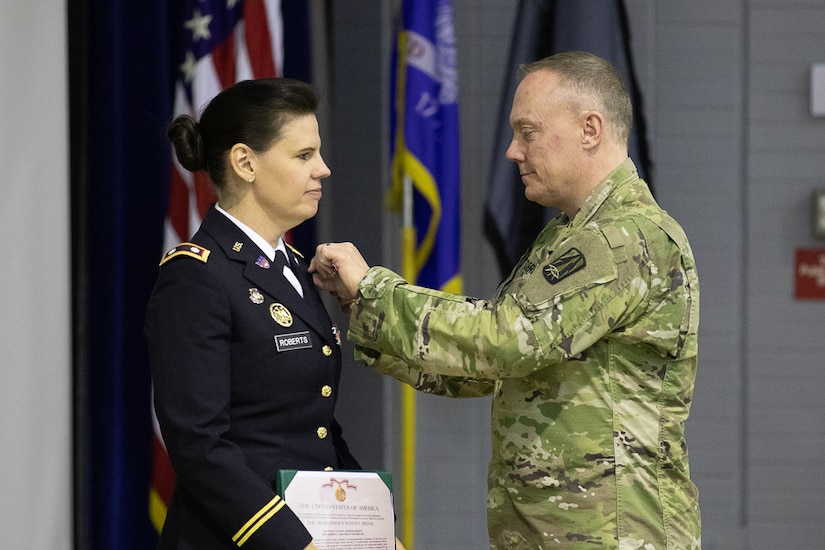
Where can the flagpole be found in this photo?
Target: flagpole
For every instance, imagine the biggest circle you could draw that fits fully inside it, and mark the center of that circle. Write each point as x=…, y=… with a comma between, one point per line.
x=425, y=108
x=408, y=392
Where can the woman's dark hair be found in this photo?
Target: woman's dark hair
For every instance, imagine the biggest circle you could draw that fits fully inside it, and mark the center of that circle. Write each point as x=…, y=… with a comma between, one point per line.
x=252, y=112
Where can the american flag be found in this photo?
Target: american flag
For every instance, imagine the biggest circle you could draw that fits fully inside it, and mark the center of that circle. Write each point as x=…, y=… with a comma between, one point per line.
x=222, y=42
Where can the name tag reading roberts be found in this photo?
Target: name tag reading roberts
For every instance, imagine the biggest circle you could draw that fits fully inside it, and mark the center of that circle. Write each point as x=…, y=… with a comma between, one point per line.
x=294, y=340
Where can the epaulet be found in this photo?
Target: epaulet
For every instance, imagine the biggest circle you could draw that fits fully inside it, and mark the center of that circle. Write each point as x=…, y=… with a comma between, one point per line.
x=186, y=249
x=294, y=250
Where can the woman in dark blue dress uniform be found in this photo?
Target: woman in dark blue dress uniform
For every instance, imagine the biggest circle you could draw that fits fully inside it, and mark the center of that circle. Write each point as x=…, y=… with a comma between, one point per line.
x=245, y=360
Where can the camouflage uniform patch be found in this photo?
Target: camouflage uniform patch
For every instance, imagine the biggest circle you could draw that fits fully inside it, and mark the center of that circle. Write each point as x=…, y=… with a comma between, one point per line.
x=567, y=264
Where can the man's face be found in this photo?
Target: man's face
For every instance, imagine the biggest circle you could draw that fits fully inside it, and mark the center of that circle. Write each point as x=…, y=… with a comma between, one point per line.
x=546, y=141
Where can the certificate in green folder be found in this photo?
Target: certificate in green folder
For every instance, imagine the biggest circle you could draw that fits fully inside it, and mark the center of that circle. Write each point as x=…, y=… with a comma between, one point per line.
x=342, y=510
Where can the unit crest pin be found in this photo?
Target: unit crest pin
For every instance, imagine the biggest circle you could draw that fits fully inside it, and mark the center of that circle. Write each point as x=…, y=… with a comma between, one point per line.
x=255, y=296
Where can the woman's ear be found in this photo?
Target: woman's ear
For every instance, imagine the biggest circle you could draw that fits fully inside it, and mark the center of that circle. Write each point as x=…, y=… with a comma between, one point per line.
x=242, y=160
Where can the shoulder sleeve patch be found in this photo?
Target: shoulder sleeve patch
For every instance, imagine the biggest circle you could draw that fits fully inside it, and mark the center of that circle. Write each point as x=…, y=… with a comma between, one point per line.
x=186, y=249
x=565, y=265
x=585, y=261
x=294, y=250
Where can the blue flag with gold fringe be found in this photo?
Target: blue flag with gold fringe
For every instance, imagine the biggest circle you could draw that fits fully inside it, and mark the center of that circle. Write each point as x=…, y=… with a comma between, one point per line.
x=425, y=143
x=425, y=174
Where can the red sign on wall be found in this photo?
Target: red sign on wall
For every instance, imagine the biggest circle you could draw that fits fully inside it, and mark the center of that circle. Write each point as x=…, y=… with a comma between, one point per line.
x=810, y=274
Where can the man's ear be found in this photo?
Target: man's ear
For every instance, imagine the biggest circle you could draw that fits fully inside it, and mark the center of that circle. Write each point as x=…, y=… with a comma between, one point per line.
x=242, y=160
x=592, y=128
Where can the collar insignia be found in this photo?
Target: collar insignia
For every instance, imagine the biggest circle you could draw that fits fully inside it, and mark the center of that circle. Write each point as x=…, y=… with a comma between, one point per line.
x=294, y=250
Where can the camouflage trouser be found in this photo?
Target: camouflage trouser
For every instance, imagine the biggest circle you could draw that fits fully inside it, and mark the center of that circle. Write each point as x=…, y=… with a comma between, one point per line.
x=525, y=519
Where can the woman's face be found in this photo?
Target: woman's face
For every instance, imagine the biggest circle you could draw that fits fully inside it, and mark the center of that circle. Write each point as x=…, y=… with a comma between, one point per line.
x=288, y=175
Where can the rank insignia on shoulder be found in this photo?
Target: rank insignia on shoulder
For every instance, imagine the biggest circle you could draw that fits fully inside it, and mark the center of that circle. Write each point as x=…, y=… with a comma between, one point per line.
x=186, y=249
x=565, y=265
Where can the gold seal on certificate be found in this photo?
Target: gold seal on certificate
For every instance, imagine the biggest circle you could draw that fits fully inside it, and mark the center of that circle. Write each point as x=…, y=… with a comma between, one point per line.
x=342, y=509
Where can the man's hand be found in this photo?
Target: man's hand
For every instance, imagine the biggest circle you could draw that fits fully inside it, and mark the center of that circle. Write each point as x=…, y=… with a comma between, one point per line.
x=338, y=268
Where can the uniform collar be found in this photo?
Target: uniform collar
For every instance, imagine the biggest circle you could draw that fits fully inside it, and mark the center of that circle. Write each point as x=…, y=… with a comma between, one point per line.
x=259, y=241
x=623, y=173
x=232, y=239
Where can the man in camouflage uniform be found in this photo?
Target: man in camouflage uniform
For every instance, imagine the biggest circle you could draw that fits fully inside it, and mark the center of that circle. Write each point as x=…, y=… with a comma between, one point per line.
x=589, y=347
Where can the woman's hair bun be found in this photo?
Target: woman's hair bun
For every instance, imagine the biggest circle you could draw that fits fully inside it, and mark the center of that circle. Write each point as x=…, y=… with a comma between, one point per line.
x=185, y=136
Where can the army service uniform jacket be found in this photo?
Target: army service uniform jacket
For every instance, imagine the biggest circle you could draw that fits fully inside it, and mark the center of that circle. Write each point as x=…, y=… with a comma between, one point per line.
x=589, y=349
x=245, y=374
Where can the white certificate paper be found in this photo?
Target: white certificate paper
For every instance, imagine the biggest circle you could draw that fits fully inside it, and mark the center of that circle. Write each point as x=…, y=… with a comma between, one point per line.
x=343, y=510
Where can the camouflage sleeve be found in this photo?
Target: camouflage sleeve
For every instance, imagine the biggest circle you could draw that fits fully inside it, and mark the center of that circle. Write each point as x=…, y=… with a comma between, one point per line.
x=435, y=384
x=591, y=283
